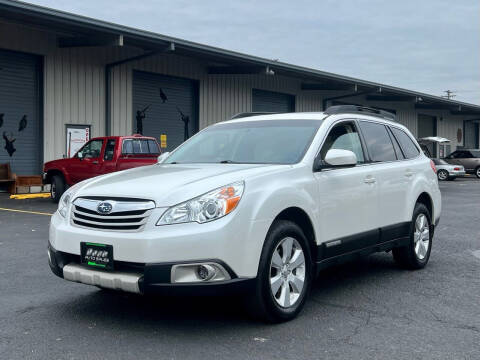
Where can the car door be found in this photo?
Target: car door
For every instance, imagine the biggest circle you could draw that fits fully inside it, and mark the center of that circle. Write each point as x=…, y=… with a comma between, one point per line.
x=88, y=161
x=393, y=174
x=347, y=196
x=109, y=163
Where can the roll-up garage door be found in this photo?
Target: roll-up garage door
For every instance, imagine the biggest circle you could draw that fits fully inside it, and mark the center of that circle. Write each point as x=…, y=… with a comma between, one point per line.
x=165, y=105
x=427, y=126
x=471, y=135
x=268, y=101
x=20, y=128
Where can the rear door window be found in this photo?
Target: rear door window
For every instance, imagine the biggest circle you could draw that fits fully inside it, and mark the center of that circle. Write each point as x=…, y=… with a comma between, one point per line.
x=408, y=146
x=109, y=150
x=379, y=145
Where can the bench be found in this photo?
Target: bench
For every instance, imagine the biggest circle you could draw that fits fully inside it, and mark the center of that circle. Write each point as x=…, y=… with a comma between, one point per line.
x=7, y=177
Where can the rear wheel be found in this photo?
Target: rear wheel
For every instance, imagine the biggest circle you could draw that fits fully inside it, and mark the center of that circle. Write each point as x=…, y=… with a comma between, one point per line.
x=416, y=254
x=57, y=188
x=442, y=175
x=284, y=274
x=477, y=172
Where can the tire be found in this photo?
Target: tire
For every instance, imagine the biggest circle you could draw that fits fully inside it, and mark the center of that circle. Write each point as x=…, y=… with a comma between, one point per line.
x=57, y=188
x=477, y=172
x=411, y=257
x=265, y=302
x=442, y=175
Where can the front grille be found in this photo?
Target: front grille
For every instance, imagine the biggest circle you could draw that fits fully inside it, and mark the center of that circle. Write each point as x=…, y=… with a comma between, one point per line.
x=124, y=215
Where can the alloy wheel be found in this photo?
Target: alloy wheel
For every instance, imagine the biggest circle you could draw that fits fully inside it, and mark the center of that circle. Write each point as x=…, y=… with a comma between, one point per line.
x=287, y=272
x=421, y=236
x=53, y=190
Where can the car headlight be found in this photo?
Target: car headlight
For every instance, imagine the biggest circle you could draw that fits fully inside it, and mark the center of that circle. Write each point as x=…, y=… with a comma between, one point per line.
x=64, y=203
x=204, y=208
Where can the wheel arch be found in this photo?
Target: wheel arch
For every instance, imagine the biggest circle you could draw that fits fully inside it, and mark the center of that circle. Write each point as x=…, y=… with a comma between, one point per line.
x=302, y=219
x=425, y=199
x=51, y=173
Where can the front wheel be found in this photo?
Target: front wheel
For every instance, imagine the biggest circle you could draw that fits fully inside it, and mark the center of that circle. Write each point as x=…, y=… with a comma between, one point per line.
x=284, y=275
x=57, y=188
x=416, y=254
x=442, y=175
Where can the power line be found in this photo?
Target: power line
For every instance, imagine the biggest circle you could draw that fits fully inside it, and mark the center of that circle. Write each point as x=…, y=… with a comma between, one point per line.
x=449, y=94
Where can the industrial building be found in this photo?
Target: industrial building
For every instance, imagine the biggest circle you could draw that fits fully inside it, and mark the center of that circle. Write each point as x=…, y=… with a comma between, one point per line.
x=60, y=71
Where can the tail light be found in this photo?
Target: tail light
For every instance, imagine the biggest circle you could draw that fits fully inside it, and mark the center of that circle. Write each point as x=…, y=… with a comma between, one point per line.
x=456, y=169
x=432, y=164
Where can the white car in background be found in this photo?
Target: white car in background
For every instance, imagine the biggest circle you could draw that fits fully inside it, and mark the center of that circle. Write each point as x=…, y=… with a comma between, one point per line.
x=446, y=171
x=257, y=205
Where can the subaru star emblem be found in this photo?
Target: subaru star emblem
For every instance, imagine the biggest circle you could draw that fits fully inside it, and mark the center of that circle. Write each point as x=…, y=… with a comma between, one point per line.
x=104, y=208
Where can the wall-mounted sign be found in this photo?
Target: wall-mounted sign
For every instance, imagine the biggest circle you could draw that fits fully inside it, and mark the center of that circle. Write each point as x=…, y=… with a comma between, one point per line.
x=77, y=136
x=163, y=141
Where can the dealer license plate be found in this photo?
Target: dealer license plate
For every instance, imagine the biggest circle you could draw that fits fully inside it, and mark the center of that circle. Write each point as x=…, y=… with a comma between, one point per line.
x=97, y=255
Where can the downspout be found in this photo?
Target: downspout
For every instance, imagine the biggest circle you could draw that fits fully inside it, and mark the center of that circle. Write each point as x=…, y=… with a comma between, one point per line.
x=108, y=75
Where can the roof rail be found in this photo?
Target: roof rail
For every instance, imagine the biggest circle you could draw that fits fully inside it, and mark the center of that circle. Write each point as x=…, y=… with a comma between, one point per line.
x=356, y=109
x=247, y=114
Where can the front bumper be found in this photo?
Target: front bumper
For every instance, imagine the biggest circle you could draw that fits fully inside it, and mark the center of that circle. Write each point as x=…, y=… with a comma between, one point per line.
x=153, y=278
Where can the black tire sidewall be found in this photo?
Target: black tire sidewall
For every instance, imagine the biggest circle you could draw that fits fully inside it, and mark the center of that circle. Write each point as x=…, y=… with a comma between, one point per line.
x=420, y=209
x=279, y=231
x=59, y=185
x=477, y=172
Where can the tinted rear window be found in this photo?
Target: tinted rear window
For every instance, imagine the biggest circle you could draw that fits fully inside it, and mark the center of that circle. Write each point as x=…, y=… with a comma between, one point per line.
x=408, y=146
x=140, y=146
x=378, y=142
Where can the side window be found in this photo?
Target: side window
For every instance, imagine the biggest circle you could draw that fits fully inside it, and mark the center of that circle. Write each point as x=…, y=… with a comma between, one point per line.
x=408, y=146
x=109, y=150
x=396, y=146
x=92, y=149
x=345, y=137
x=378, y=141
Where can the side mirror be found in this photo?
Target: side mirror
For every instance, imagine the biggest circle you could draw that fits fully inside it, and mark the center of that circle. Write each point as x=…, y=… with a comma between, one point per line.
x=336, y=158
x=161, y=158
x=80, y=155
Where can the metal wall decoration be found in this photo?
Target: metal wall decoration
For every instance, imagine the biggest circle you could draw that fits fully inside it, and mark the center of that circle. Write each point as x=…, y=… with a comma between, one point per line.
x=23, y=123
x=163, y=96
x=140, y=117
x=186, y=120
x=9, y=143
x=459, y=135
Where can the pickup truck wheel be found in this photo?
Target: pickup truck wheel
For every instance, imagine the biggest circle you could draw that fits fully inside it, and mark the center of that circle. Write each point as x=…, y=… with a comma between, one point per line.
x=57, y=188
x=477, y=172
x=416, y=254
x=442, y=175
x=284, y=274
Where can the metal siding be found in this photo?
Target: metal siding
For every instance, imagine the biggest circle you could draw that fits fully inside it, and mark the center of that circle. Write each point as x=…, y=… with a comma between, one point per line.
x=20, y=96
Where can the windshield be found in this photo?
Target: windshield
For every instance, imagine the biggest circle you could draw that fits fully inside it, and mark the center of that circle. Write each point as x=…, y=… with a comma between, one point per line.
x=249, y=142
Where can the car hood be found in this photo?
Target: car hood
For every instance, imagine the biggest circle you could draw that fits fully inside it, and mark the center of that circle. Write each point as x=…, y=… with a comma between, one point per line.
x=170, y=184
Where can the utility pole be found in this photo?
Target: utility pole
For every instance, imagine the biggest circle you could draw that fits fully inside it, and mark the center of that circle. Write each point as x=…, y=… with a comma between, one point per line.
x=449, y=94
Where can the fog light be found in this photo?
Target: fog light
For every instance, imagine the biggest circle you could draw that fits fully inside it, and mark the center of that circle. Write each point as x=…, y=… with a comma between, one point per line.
x=206, y=272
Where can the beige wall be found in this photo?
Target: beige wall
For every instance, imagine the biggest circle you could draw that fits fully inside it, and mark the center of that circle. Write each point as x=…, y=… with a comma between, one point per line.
x=74, y=88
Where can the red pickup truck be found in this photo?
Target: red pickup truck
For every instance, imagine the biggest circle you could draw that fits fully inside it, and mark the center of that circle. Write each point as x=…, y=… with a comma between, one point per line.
x=101, y=155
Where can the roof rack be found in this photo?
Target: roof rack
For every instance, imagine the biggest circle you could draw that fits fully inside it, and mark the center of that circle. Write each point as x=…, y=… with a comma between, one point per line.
x=356, y=109
x=247, y=114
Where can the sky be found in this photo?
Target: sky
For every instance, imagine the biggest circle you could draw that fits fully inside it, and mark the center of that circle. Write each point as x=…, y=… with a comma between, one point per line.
x=424, y=45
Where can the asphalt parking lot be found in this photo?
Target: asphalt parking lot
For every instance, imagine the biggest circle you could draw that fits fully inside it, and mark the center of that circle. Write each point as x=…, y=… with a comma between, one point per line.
x=367, y=309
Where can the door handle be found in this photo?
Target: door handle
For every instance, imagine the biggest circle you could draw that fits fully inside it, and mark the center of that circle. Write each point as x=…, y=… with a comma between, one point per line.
x=369, y=180
x=94, y=162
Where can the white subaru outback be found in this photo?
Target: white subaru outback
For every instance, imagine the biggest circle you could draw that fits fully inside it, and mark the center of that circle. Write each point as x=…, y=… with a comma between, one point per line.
x=258, y=204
